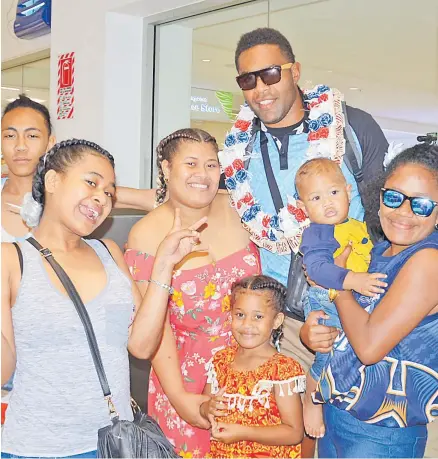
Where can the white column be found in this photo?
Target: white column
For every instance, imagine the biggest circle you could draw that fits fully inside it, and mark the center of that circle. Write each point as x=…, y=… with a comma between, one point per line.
x=127, y=96
x=174, y=80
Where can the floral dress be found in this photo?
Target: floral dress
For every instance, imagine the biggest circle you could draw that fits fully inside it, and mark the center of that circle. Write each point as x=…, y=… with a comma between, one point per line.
x=200, y=319
x=251, y=400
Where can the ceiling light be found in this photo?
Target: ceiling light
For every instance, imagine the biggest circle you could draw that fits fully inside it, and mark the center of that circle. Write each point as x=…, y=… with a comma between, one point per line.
x=329, y=71
x=206, y=60
x=10, y=89
x=354, y=88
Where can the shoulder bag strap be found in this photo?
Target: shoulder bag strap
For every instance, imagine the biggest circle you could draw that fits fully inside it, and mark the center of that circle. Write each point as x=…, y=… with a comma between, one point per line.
x=296, y=283
x=20, y=257
x=83, y=315
x=273, y=186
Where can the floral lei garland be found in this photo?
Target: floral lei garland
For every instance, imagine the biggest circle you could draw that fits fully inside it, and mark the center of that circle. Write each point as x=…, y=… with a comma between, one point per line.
x=281, y=233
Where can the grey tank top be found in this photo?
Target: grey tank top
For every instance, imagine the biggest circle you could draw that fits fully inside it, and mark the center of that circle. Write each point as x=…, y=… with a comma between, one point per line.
x=57, y=404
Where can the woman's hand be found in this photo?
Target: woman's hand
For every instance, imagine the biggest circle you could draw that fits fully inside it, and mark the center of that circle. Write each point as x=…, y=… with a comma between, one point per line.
x=215, y=407
x=180, y=242
x=316, y=337
x=341, y=259
x=188, y=406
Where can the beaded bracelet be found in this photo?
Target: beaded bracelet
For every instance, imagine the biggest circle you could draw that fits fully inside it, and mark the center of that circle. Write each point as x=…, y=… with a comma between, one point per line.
x=169, y=288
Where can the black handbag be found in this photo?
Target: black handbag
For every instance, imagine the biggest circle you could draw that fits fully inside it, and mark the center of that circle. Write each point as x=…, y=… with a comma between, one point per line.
x=141, y=437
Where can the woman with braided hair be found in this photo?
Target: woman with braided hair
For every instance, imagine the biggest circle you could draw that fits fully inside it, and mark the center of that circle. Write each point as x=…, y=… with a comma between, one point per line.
x=57, y=405
x=199, y=319
x=255, y=409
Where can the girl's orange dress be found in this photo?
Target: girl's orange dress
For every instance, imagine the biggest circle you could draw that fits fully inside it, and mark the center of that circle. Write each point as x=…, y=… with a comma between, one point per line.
x=251, y=400
x=200, y=319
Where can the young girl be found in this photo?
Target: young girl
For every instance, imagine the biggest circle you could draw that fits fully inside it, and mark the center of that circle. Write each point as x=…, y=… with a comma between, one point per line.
x=383, y=373
x=57, y=405
x=255, y=409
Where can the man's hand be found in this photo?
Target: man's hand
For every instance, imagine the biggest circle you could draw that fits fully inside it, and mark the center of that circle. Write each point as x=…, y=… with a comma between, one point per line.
x=310, y=281
x=316, y=337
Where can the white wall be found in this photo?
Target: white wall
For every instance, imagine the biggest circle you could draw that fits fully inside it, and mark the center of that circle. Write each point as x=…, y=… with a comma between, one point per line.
x=113, y=42
x=13, y=47
x=79, y=27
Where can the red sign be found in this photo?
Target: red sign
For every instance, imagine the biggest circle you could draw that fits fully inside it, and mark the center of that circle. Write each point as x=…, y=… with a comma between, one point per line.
x=66, y=72
x=66, y=79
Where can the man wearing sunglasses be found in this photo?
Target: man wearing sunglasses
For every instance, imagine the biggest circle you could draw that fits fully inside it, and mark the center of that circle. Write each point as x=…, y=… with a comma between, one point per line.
x=268, y=75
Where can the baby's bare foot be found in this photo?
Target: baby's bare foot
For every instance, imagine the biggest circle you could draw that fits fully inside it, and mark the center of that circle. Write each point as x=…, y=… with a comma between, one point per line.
x=313, y=418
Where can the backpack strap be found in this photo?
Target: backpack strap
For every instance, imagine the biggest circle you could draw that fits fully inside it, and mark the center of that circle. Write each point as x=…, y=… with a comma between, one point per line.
x=353, y=156
x=20, y=257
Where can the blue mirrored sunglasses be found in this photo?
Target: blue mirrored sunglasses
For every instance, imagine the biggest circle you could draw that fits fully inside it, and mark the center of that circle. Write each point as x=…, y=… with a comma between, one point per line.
x=423, y=207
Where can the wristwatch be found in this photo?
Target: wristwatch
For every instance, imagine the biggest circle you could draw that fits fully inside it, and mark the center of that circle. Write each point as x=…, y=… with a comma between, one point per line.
x=333, y=294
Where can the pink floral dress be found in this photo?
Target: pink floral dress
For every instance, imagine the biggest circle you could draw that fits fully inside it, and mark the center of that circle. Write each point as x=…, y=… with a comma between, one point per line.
x=200, y=319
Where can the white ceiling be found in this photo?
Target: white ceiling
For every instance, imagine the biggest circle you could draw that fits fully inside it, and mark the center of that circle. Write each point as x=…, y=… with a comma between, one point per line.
x=388, y=49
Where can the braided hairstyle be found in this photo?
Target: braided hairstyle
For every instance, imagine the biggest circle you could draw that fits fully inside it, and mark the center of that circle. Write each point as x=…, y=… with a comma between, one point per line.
x=422, y=154
x=59, y=158
x=277, y=292
x=169, y=146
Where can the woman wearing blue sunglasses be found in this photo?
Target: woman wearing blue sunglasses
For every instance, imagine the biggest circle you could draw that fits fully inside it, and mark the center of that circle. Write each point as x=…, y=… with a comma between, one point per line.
x=380, y=386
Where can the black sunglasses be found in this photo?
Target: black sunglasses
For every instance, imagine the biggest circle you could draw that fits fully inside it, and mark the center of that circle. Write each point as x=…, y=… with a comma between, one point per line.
x=269, y=75
x=423, y=207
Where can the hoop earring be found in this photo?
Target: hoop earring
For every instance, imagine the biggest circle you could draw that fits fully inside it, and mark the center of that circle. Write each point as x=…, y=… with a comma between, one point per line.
x=436, y=226
x=378, y=213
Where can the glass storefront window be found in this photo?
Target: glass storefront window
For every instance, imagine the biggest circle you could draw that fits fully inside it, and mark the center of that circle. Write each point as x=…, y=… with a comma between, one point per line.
x=32, y=79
